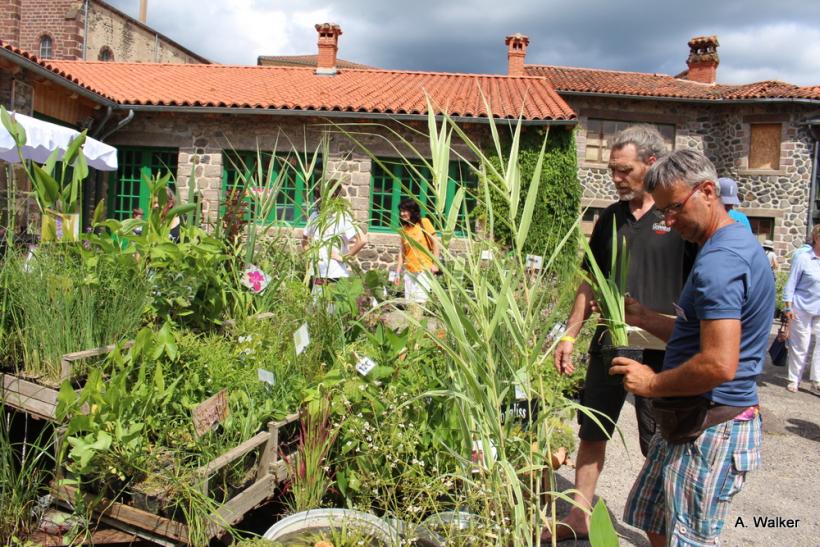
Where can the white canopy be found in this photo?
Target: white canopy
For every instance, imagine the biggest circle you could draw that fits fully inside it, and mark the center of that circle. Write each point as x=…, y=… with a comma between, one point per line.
x=43, y=137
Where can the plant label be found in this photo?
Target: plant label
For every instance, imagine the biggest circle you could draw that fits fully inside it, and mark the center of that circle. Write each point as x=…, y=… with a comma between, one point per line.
x=365, y=365
x=479, y=454
x=211, y=412
x=266, y=376
x=301, y=339
x=486, y=254
x=535, y=262
x=520, y=394
x=392, y=276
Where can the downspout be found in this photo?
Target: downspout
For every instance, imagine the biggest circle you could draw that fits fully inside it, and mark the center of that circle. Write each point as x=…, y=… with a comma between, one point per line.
x=815, y=181
x=85, y=31
x=102, y=177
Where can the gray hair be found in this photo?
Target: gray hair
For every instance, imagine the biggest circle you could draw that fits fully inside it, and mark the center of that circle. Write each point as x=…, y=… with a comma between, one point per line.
x=686, y=165
x=646, y=138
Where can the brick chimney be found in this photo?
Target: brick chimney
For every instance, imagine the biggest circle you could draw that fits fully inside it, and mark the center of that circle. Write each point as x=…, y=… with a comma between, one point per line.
x=144, y=11
x=516, y=52
x=328, y=46
x=703, y=59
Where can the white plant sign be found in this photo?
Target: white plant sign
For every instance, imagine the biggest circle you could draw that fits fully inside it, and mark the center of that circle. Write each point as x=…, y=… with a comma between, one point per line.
x=266, y=376
x=301, y=339
x=365, y=365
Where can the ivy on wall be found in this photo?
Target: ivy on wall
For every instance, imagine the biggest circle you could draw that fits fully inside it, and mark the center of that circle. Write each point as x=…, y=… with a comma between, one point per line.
x=559, y=194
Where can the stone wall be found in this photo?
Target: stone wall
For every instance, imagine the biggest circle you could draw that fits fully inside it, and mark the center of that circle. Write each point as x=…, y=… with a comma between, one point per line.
x=722, y=133
x=201, y=140
x=24, y=22
x=128, y=41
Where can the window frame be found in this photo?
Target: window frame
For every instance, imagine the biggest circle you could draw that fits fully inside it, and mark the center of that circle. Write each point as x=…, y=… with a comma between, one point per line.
x=779, y=163
x=603, y=145
x=105, y=50
x=46, y=41
x=299, y=200
x=408, y=180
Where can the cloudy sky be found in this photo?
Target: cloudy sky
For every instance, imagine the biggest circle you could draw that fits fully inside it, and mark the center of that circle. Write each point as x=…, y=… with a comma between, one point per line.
x=759, y=39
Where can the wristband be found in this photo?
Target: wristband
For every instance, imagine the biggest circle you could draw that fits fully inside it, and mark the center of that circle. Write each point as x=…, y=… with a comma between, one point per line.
x=570, y=339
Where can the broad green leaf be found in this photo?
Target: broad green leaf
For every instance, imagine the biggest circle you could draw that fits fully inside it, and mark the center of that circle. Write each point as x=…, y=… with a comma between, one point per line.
x=601, y=531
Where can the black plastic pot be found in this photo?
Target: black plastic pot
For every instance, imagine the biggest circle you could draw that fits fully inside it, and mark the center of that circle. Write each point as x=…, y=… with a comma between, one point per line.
x=608, y=353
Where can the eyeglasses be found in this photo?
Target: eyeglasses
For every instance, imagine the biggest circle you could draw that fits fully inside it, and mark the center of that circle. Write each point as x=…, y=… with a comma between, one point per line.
x=674, y=209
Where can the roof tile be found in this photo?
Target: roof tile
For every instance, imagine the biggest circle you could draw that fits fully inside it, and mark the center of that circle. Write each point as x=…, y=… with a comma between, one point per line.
x=614, y=82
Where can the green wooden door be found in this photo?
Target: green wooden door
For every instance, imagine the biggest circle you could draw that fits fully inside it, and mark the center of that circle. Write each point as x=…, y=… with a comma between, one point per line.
x=135, y=165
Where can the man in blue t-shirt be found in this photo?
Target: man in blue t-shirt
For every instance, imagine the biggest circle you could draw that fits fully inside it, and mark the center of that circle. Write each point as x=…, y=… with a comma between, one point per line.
x=728, y=195
x=706, y=395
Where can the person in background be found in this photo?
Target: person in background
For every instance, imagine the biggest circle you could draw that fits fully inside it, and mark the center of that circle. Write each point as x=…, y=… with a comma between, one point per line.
x=706, y=397
x=331, y=232
x=415, y=264
x=801, y=297
x=768, y=247
x=728, y=195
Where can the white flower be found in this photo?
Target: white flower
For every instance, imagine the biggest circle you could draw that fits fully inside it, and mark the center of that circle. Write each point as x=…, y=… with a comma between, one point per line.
x=243, y=339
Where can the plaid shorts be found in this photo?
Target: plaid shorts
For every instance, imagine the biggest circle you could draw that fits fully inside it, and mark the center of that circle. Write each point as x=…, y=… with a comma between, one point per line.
x=687, y=488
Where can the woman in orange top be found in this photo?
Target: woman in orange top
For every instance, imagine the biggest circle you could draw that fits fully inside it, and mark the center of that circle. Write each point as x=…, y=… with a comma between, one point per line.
x=414, y=262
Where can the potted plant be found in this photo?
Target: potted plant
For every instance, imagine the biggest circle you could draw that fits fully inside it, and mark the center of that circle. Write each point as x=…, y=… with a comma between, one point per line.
x=610, y=294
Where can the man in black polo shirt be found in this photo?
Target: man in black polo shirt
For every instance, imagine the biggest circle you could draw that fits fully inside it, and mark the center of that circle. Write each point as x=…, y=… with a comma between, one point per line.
x=659, y=263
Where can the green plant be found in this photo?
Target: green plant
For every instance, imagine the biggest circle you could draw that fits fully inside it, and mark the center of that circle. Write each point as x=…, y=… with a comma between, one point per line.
x=23, y=477
x=610, y=290
x=67, y=299
x=309, y=473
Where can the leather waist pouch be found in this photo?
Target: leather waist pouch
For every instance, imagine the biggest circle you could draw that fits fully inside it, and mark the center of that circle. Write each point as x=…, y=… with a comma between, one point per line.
x=683, y=419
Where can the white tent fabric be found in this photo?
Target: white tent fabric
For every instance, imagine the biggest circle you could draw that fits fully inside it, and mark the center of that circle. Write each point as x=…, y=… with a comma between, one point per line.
x=43, y=137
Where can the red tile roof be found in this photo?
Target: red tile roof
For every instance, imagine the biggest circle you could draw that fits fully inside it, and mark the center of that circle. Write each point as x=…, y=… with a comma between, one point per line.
x=296, y=88
x=615, y=82
x=302, y=60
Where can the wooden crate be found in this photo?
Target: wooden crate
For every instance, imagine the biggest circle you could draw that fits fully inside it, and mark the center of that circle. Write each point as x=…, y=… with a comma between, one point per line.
x=39, y=400
x=271, y=470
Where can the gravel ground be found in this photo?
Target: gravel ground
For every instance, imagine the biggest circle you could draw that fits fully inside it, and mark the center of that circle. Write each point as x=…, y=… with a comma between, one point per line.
x=786, y=486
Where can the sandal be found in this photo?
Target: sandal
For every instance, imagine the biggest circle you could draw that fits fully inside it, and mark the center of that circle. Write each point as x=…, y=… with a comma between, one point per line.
x=792, y=388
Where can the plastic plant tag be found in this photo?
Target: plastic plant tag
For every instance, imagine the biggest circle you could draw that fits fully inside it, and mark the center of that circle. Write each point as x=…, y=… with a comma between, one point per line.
x=210, y=412
x=365, y=365
x=535, y=262
x=255, y=279
x=479, y=455
x=520, y=394
x=392, y=276
x=301, y=339
x=266, y=376
x=486, y=254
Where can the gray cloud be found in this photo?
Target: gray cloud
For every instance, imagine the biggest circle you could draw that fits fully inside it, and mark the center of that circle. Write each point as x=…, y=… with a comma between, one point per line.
x=759, y=39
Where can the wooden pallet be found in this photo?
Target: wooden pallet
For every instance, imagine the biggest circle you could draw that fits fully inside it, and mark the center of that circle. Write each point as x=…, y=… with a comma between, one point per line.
x=270, y=472
x=39, y=400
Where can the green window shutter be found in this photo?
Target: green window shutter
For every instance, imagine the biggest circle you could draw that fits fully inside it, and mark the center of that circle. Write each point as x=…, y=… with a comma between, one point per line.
x=129, y=189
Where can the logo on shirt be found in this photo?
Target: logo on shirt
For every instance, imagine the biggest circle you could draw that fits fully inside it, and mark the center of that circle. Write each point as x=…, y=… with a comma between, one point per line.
x=661, y=228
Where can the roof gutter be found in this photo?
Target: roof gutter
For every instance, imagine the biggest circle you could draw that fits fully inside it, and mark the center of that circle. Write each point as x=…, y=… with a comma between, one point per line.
x=330, y=114
x=687, y=100
x=56, y=78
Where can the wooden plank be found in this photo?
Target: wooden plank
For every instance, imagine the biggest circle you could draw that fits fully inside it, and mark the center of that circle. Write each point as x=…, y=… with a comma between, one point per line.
x=119, y=512
x=29, y=389
x=233, y=454
x=235, y=508
x=68, y=358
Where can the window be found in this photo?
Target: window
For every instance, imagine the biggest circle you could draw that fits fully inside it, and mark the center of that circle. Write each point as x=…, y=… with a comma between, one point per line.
x=398, y=180
x=764, y=146
x=291, y=201
x=105, y=54
x=600, y=134
x=136, y=164
x=762, y=227
x=46, y=47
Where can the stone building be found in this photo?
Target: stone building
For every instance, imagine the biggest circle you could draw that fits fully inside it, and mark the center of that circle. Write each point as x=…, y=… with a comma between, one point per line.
x=89, y=30
x=192, y=118
x=210, y=120
x=764, y=134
